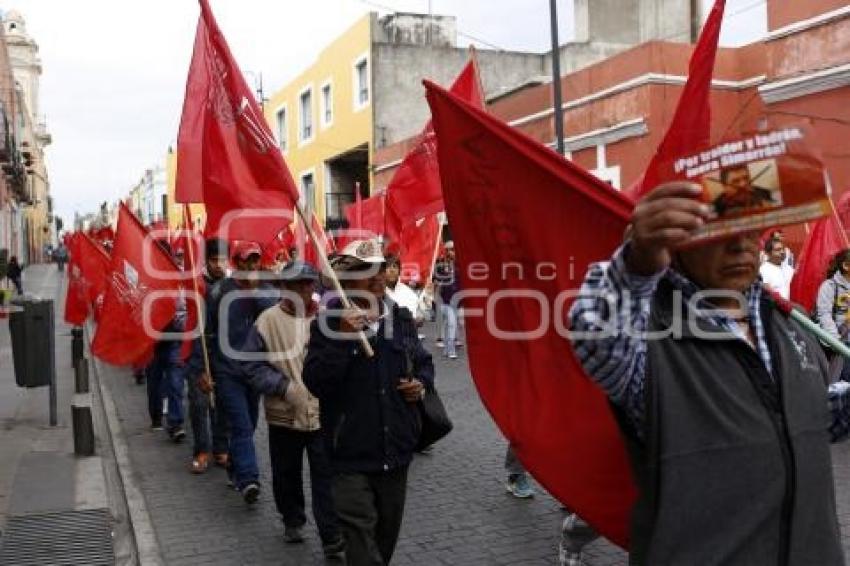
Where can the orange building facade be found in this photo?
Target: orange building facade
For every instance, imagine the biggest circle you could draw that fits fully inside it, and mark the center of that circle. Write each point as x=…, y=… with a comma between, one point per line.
x=617, y=110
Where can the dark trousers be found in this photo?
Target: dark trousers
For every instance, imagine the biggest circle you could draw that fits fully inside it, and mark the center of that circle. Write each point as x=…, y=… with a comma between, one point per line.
x=209, y=425
x=241, y=406
x=286, y=449
x=370, y=508
x=164, y=378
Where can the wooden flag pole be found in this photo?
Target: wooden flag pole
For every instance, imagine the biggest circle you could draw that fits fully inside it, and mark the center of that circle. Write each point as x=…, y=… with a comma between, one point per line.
x=200, y=314
x=326, y=268
x=438, y=239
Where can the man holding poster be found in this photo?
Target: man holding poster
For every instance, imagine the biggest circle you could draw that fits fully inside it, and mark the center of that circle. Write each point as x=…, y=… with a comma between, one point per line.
x=723, y=398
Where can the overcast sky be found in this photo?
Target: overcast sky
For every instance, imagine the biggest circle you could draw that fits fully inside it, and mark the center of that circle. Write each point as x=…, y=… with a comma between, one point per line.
x=115, y=70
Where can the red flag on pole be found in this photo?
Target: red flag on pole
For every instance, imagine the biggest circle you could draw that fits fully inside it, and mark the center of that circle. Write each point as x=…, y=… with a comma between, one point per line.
x=826, y=238
x=418, y=244
x=691, y=124
x=227, y=157
x=365, y=222
x=536, y=246
x=139, y=267
x=414, y=191
x=306, y=249
x=88, y=270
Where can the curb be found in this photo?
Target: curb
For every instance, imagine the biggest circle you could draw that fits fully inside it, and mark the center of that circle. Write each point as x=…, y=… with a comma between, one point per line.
x=147, y=546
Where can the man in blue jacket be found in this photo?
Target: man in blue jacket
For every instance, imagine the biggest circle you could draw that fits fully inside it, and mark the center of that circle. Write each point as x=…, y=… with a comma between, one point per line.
x=233, y=305
x=368, y=405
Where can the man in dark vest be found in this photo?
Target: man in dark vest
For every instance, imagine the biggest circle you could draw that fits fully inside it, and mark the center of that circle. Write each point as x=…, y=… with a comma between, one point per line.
x=722, y=398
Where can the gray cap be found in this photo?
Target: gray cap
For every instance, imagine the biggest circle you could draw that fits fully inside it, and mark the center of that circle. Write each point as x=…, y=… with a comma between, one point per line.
x=298, y=271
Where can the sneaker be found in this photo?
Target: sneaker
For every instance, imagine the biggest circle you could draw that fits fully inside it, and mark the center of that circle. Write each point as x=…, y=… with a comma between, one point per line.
x=519, y=487
x=140, y=378
x=177, y=434
x=293, y=535
x=250, y=493
x=439, y=343
x=458, y=344
x=156, y=424
x=200, y=463
x=334, y=549
x=221, y=459
x=452, y=356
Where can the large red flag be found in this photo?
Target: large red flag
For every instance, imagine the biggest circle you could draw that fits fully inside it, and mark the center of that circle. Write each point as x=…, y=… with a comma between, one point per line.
x=227, y=157
x=418, y=246
x=414, y=191
x=826, y=238
x=138, y=268
x=88, y=271
x=536, y=245
x=691, y=124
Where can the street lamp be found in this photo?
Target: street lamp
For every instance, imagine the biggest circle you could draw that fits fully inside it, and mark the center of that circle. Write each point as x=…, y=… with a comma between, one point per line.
x=556, y=78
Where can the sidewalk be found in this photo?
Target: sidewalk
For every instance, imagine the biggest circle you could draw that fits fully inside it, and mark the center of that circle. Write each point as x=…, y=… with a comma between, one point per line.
x=48, y=496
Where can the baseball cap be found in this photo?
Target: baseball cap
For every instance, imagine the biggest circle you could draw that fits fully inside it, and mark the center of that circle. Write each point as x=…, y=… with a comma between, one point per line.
x=298, y=271
x=244, y=249
x=358, y=253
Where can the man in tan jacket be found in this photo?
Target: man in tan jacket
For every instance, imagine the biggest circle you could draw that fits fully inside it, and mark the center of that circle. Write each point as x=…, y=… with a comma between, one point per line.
x=277, y=346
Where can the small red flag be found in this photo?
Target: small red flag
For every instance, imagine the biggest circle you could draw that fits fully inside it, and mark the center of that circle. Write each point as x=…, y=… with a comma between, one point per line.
x=826, y=238
x=414, y=191
x=690, y=128
x=88, y=270
x=139, y=267
x=306, y=249
x=227, y=157
x=365, y=220
x=536, y=245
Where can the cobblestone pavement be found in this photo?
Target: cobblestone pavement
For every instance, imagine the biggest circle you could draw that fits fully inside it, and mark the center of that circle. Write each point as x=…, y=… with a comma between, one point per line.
x=458, y=511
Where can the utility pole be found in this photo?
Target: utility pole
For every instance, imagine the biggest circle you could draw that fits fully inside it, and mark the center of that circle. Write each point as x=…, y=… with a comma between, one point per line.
x=556, y=78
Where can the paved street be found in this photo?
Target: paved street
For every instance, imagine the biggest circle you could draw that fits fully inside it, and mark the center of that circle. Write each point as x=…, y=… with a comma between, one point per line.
x=457, y=512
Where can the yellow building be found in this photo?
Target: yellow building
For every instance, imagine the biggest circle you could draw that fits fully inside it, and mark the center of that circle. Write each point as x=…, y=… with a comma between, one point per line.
x=323, y=122
x=175, y=209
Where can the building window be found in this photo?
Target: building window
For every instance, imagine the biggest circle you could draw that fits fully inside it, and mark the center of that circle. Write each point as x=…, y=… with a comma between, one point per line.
x=361, y=82
x=308, y=191
x=327, y=105
x=280, y=128
x=306, y=113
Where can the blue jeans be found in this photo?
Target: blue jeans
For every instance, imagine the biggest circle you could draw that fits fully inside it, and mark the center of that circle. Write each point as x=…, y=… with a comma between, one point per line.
x=209, y=425
x=241, y=408
x=449, y=324
x=164, y=376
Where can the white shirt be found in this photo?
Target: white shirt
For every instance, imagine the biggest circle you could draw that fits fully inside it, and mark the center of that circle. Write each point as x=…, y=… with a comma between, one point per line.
x=777, y=277
x=405, y=297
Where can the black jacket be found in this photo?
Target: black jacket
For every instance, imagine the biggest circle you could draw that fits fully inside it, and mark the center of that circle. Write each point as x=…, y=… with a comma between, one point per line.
x=367, y=424
x=736, y=466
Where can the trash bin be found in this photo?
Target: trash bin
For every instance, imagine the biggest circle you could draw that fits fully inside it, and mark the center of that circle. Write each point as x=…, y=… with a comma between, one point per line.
x=31, y=329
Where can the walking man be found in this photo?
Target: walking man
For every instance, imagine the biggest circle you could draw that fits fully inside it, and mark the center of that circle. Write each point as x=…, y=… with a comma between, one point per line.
x=369, y=407
x=280, y=338
x=231, y=312
x=209, y=426
x=728, y=415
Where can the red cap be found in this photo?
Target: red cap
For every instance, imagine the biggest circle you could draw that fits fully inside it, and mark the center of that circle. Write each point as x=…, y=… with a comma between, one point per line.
x=243, y=250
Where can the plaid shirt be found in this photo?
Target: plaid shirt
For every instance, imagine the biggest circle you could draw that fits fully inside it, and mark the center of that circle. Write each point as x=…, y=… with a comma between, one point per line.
x=617, y=361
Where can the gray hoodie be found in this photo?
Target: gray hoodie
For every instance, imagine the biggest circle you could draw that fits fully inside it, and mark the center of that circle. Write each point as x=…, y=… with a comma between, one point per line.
x=832, y=306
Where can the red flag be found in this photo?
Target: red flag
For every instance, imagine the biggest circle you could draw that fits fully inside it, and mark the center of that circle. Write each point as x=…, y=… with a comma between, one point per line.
x=536, y=243
x=121, y=338
x=306, y=249
x=691, y=124
x=414, y=191
x=227, y=157
x=88, y=270
x=418, y=244
x=365, y=220
x=826, y=238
